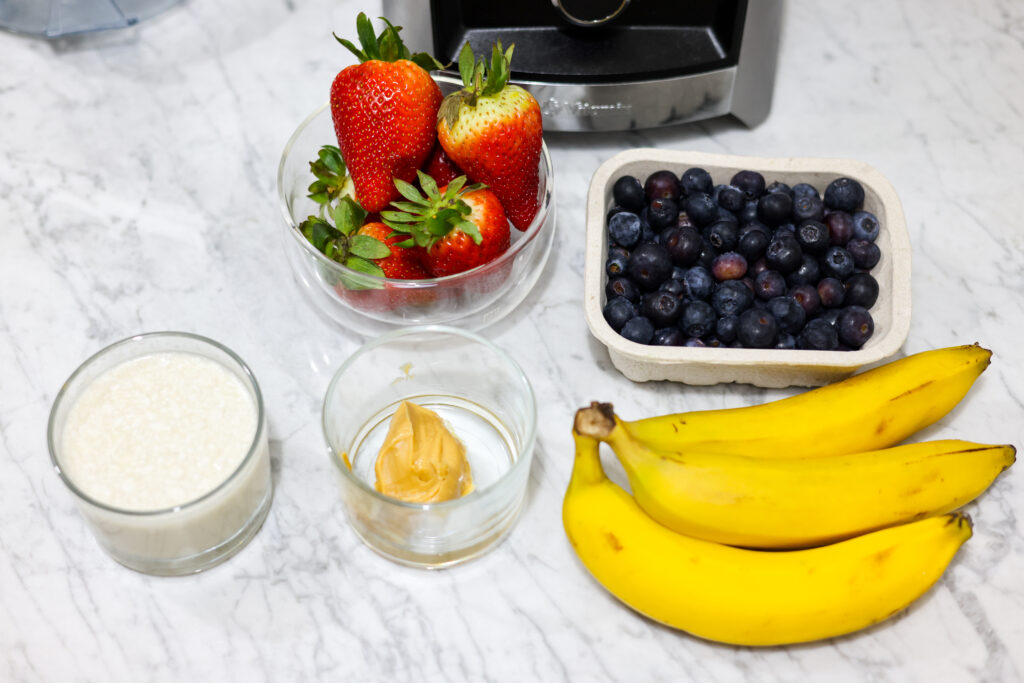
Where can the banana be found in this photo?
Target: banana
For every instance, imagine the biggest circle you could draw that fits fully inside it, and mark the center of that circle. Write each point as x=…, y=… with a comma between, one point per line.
x=868, y=411
x=749, y=597
x=770, y=503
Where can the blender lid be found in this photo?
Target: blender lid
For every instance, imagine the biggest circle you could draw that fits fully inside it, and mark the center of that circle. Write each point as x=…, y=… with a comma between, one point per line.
x=58, y=18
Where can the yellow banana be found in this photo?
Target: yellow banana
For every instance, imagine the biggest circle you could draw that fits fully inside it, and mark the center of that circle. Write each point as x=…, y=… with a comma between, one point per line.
x=868, y=411
x=770, y=503
x=749, y=597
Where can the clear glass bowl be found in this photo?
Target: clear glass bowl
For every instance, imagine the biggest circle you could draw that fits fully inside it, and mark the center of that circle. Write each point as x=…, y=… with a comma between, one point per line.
x=470, y=300
x=185, y=538
x=489, y=405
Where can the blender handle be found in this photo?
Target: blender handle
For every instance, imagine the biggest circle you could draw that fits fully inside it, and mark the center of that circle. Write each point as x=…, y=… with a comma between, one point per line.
x=589, y=22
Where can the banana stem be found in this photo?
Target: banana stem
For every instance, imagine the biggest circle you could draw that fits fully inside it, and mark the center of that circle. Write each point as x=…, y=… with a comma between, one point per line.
x=596, y=421
x=586, y=468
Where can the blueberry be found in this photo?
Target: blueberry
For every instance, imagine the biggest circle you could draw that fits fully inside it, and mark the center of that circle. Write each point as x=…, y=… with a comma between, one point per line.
x=698, y=319
x=694, y=342
x=696, y=180
x=865, y=226
x=729, y=266
x=831, y=315
x=698, y=282
x=840, y=227
x=723, y=235
x=775, y=208
x=861, y=290
x=807, y=296
x=649, y=265
x=865, y=254
x=831, y=291
x=683, y=244
x=818, y=335
x=668, y=336
x=785, y=341
x=769, y=284
x=731, y=297
x=617, y=311
x=701, y=208
x=661, y=184
x=788, y=313
x=684, y=220
x=616, y=265
x=753, y=242
x=725, y=328
x=662, y=212
x=727, y=215
x=707, y=254
x=748, y=212
x=804, y=190
x=787, y=227
x=622, y=286
x=673, y=286
x=844, y=194
x=624, y=228
x=661, y=308
x=838, y=263
x=855, y=326
x=638, y=329
x=629, y=193
x=732, y=198
x=678, y=273
x=809, y=272
x=784, y=253
x=808, y=209
x=750, y=182
x=813, y=236
x=779, y=187
x=757, y=329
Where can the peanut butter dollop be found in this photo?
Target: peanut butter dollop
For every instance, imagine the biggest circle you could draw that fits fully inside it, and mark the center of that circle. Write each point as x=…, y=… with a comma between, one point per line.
x=421, y=461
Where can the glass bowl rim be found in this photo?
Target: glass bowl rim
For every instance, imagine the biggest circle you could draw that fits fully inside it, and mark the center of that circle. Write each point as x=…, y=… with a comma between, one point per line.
x=529, y=443
x=140, y=339
x=528, y=235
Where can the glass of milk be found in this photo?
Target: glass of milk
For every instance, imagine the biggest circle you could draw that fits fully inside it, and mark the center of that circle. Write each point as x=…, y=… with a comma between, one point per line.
x=162, y=440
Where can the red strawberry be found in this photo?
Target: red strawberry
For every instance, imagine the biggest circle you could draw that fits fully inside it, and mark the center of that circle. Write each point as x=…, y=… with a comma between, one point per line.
x=385, y=113
x=493, y=131
x=403, y=263
x=440, y=167
x=458, y=227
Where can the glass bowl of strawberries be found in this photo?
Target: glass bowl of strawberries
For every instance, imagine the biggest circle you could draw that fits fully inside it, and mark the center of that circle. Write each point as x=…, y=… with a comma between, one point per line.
x=461, y=285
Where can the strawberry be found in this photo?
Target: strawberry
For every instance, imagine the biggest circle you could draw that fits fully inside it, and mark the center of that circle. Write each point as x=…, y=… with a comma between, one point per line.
x=385, y=111
x=492, y=130
x=440, y=167
x=458, y=227
x=341, y=241
x=403, y=263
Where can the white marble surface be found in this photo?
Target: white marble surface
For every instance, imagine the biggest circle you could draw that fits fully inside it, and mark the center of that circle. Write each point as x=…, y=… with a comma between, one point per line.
x=137, y=193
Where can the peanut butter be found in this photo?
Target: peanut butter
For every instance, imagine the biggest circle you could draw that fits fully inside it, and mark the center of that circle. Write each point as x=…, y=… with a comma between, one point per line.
x=421, y=461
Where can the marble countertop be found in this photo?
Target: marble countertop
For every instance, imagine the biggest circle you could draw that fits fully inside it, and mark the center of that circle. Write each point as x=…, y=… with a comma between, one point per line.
x=137, y=193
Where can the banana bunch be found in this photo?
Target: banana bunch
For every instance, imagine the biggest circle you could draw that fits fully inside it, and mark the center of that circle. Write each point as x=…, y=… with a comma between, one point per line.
x=864, y=527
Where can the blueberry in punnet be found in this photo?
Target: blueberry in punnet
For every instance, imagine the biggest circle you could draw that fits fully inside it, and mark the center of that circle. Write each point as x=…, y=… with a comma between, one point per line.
x=707, y=253
x=789, y=314
x=661, y=183
x=865, y=226
x=748, y=213
x=622, y=286
x=750, y=182
x=831, y=292
x=723, y=235
x=696, y=180
x=840, y=227
x=615, y=265
x=668, y=336
x=701, y=208
x=731, y=297
x=769, y=284
x=727, y=215
x=673, y=286
x=624, y=229
x=638, y=329
x=808, y=272
x=865, y=254
x=661, y=308
x=757, y=329
x=684, y=220
x=838, y=263
x=629, y=193
x=729, y=266
x=785, y=341
x=818, y=335
x=779, y=187
x=694, y=342
x=725, y=328
x=783, y=253
x=805, y=190
x=844, y=194
x=861, y=290
x=813, y=236
x=808, y=209
x=649, y=265
x=807, y=296
x=699, y=282
x=830, y=315
x=683, y=244
x=774, y=208
x=731, y=198
x=855, y=326
x=617, y=311
x=662, y=212
x=752, y=243
x=698, y=319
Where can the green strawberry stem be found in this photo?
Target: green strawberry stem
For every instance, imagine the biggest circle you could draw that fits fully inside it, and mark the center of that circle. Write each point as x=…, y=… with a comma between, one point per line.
x=479, y=79
x=386, y=47
x=427, y=217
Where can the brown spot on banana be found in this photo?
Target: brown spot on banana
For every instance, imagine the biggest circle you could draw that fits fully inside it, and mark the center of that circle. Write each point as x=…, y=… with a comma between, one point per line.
x=613, y=541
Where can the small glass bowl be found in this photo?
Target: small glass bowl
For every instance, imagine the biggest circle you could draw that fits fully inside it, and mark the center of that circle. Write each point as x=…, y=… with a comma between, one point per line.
x=372, y=305
x=186, y=538
x=488, y=404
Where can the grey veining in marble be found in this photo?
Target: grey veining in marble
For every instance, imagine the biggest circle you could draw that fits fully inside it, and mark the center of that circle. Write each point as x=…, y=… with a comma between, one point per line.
x=137, y=193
